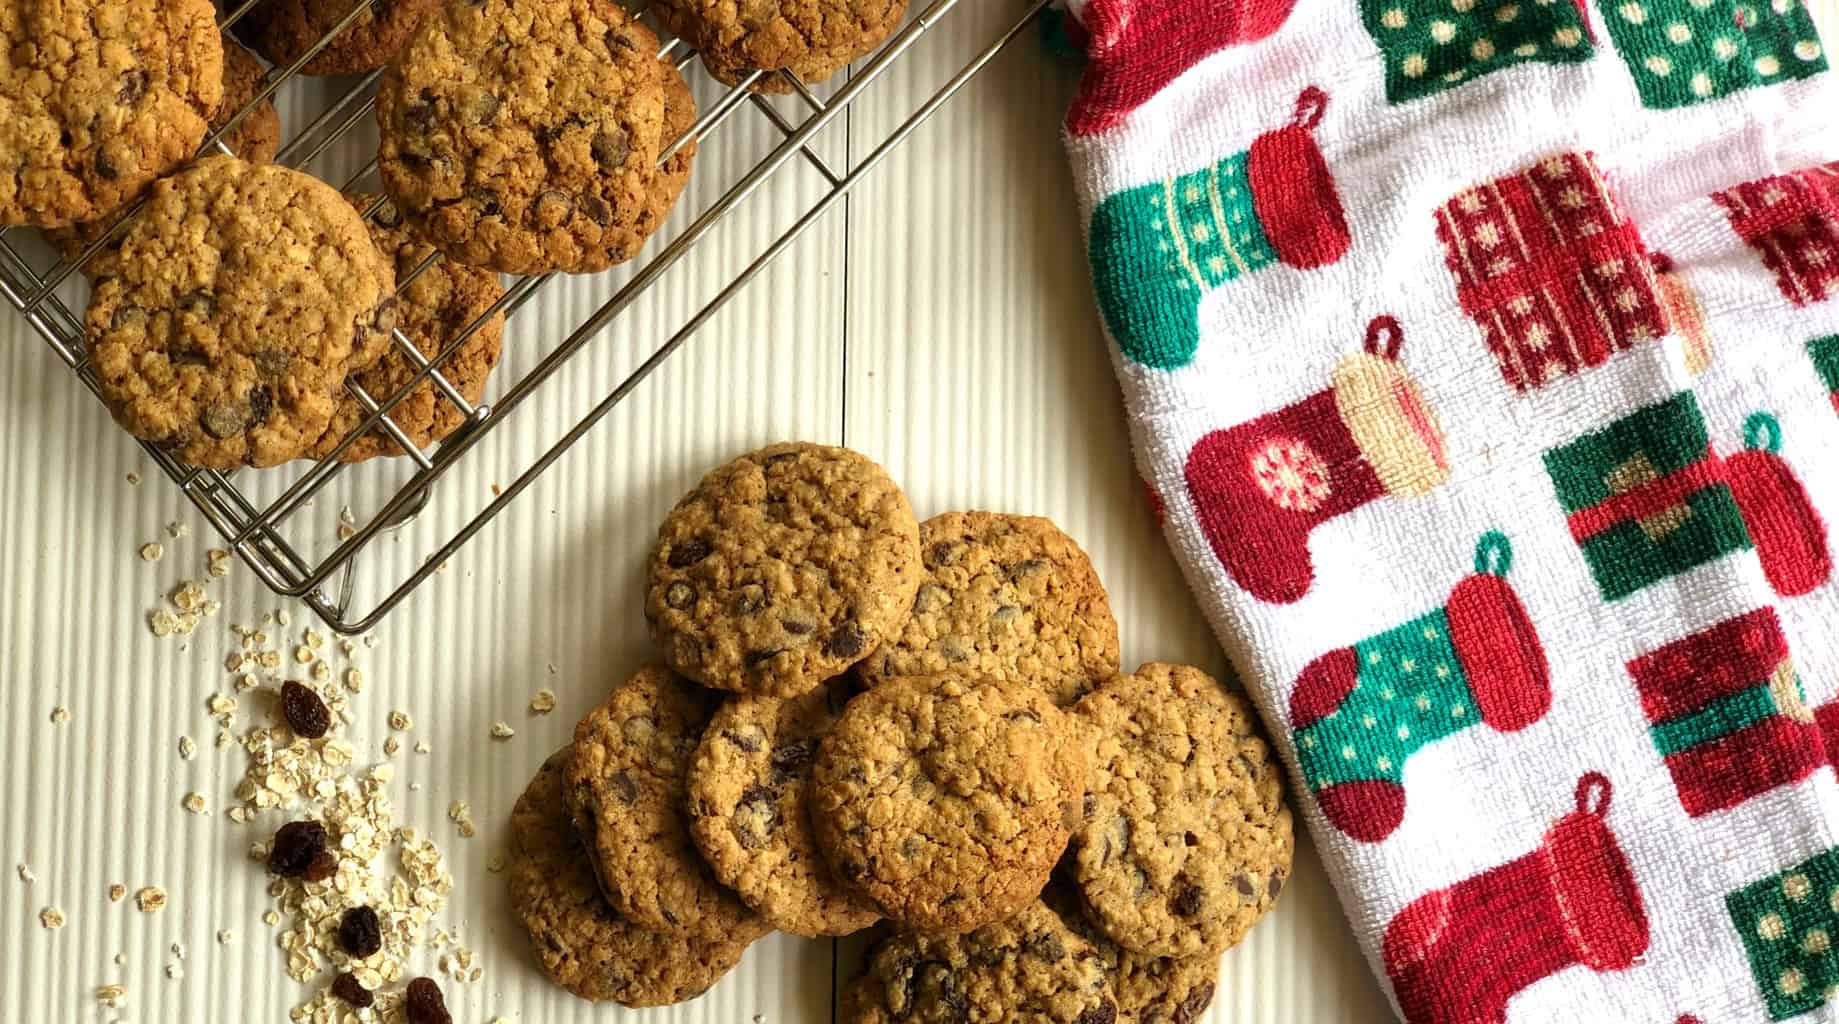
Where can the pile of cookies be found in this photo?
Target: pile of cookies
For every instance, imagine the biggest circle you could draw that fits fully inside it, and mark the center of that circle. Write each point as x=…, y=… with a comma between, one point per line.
x=861, y=718
x=517, y=136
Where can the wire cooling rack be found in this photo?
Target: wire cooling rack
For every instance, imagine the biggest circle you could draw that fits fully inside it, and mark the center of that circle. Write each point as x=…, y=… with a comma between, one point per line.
x=276, y=520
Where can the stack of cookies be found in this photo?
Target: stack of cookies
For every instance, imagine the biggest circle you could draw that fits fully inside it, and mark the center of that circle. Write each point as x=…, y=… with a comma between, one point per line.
x=861, y=719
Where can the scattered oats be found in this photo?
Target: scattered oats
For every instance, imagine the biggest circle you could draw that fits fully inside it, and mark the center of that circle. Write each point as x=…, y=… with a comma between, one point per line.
x=223, y=738
x=188, y=748
x=224, y=935
x=60, y=715
x=348, y=647
x=238, y=814
x=246, y=682
x=282, y=617
x=162, y=622
x=354, y=679
x=193, y=802
x=176, y=530
x=26, y=875
x=189, y=596
x=151, y=551
x=220, y=562
x=221, y=705
x=174, y=972
x=322, y=672
x=133, y=479
x=233, y=662
x=112, y=996
x=314, y=639
x=271, y=659
x=462, y=815
x=304, y=654
x=421, y=747
x=400, y=721
x=149, y=899
x=391, y=745
x=51, y=918
x=544, y=702
x=502, y=731
x=271, y=918
x=117, y=892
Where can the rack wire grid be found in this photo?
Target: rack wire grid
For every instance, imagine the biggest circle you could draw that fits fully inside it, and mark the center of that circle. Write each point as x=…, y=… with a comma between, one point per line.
x=275, y=520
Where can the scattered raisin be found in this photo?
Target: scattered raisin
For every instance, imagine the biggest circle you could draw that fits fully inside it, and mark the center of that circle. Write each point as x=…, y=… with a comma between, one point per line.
x=322, y=867
x=295, y=845
x=346, y=987
x=306, y=714
x=422, y=1003
x=359, y=932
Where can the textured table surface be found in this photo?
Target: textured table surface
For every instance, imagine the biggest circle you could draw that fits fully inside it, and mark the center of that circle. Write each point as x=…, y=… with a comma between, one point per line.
x=957, y=344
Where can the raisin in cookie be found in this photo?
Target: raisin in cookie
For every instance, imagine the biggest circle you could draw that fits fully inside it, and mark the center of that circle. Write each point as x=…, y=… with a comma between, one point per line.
x=748, y=794
x=284, y=30
x=1028, y=969
x=813, y=39
x=1186, y=839
x=525, y=137
x=626, y=786
x=1006, y=596
x=782, y=569
x=240, y=299
x=99, y=98
x=256, y=138
x=947, y=800
x=579, y=941
x=431, y=310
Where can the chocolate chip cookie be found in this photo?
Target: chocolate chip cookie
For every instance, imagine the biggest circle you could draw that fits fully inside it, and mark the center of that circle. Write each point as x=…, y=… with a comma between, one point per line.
x=431, y=311
x=525, y=137
x=781, y=569
x=1006, y=596
x=947, y=800
x=1028, y=969
x=813, y=39
x=626, y=787
x=98, y=98
x=748, y=794
x=256, y=138
x=579, y=941
x=1149, y=989
x=284, y=30
x=1186, y=840
x=241, y=298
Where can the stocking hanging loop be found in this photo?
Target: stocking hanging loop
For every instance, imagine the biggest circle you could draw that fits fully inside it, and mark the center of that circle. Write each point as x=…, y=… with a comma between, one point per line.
x=1493, y=554
x=1384, y=337
x=1593, y=792
x=1762, y=432
x=1310, y=105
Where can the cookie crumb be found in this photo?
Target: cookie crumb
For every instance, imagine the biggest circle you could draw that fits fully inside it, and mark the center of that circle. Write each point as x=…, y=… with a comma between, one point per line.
x=121, y=959
x=400, y=721
x=390, y=746
x=25, y=873
x=60, y=715
x=461, y=815
x=133, y=479
x=174, y=972
x=221, y=705
x=151, y=551
x=544, y=702
x=502, y=731
x=149, y=898
x=51, y=918
x=117, y=892
x=421, y=747
x=224, y=935
x=220, y=562
x=193, y=802
x=304, y=654
x=188, y=748
x=354, y=678
x=496, y=864
x=112, y=996
x=271, y=918
x=176, y=530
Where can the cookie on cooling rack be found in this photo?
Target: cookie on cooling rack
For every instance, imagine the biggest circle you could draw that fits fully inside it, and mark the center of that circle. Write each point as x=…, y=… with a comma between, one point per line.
x=812, y=41
x=100, y=98
x=580, y=943
x=1005, y=596
x=501, y=174
x=782, y=569
x=241, y=298
x=256, y=138
x=284, y=30
x=431, y=311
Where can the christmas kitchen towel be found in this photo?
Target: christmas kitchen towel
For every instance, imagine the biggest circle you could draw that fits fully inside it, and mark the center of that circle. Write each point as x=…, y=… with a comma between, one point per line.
x=1483, y=358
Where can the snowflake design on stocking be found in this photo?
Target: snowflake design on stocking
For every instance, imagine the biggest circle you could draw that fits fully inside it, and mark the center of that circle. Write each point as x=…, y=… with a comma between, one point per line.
x=1291, y=474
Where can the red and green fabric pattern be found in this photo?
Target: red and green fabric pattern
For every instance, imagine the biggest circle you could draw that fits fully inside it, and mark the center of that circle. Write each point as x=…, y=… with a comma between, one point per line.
x=1792, y=221
x=1825, y=353
x=1682, y=52
x=1646, y=498
x=1788, y=924
x=1361, y=712
x=1434, y=45
x=1726, y=712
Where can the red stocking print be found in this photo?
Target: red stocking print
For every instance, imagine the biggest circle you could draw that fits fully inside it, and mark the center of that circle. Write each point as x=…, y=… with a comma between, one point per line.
x=1725, y=710
x=1552, y=269
x=1137, y=47
x=1361, y=712
x=1790, y=535
x=1792, y=220
x=1261, y=487
x=1458, y=955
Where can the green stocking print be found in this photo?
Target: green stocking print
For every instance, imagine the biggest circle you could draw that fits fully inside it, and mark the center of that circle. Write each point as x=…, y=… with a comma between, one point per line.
x=1682, y=52
x=1434, y=45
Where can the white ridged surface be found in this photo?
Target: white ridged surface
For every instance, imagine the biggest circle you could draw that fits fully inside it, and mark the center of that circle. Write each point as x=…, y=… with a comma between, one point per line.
x=959, y=347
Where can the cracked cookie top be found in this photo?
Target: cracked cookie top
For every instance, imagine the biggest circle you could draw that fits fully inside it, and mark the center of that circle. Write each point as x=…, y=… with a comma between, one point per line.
x=99, y=98
x=947, y=800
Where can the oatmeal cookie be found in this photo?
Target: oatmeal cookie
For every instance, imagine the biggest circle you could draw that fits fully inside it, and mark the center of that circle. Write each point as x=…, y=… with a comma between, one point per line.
x=812, y=39
x=284, y=30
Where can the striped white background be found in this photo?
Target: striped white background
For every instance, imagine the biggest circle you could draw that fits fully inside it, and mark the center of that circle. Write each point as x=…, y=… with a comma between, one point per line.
x=956, y=343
